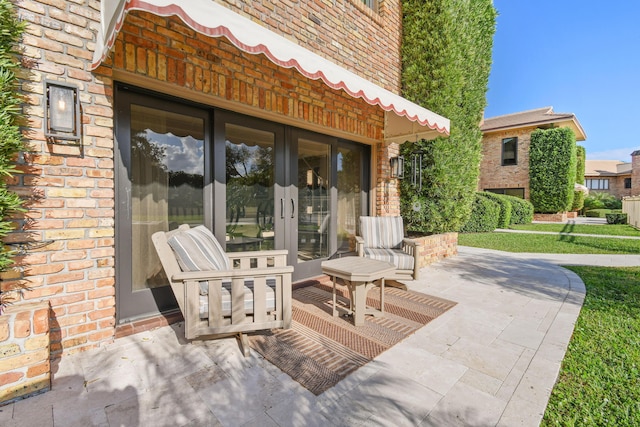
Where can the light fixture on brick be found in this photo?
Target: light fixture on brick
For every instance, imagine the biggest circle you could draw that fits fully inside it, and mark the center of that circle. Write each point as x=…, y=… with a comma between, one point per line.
x=397, y=167
x=62, y=111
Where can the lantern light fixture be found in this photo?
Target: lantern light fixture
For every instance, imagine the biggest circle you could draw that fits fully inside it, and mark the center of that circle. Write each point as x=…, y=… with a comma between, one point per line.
x=397, y=167
x=61, y=111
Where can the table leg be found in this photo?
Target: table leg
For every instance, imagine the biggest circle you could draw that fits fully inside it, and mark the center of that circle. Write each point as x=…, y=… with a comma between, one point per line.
x=335, y=310
x=382, y=295
x=360, y=303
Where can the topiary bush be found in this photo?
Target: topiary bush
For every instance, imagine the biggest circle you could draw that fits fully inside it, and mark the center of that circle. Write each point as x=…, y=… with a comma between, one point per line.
x=578, y=196
x=521, y=210
x=446, y=60
x=11, y=142
x=552, y=169
x=597, y=213
x=484, y=215
x=504, y=218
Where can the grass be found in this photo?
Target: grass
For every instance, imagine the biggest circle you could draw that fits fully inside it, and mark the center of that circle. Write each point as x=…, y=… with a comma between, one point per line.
x=599, y=381
x=609, y=229
x=545, y=243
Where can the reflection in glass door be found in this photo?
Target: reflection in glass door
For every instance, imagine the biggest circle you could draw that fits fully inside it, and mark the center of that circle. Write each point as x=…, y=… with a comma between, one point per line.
x=160, y=186
x=250, y=183
x=350, y=206
x=314, y=206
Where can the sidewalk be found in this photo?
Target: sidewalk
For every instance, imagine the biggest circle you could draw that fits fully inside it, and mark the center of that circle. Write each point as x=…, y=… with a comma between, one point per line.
x=492, y=360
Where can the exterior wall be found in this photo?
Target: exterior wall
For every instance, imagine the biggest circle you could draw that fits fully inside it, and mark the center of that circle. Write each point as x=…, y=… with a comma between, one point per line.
x=24, y=351
x=71, y=186
x=616, y=185
x=493, y=174
x=635, y=174
x=350, y=33
x=437, y=247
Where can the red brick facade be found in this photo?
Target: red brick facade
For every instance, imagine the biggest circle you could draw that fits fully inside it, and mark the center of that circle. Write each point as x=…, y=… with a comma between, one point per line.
x=495, y=176
x=72, y=186
x=635, y=173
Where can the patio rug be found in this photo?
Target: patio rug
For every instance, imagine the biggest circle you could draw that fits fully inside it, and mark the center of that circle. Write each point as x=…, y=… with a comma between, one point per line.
x=319, y=350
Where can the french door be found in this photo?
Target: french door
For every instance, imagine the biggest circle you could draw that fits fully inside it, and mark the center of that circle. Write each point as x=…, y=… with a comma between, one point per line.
x=257, y=185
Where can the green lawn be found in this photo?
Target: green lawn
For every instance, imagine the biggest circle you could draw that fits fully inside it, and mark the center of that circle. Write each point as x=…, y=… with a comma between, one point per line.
x=544, y=243
x=608, y=229
x=599, y=381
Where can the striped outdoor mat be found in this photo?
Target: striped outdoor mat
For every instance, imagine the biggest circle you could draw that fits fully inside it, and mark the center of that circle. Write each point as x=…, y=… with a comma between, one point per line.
x=319, y=350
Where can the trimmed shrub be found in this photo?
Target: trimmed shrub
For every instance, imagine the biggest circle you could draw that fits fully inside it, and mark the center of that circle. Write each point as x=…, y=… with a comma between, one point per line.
x=552, y=169
x=578, y=201
x=601, y=200
x=484, y=215
x=446, y=60
x=578, y=196
x=521, y=210
x=597, y=213
x=616, y=218
x=504, y=219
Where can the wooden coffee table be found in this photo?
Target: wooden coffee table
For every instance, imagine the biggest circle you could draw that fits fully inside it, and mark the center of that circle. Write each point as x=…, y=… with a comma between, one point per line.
x=359, y=274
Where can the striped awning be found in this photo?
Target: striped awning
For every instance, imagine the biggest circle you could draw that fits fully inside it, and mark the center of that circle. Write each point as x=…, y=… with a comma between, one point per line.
x=404, y=120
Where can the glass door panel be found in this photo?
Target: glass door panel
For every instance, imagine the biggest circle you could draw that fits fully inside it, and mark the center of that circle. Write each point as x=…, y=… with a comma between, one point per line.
x=250, y=184
x=160, y=185
x=167, y=180
x=350, y=206
x=313, y=185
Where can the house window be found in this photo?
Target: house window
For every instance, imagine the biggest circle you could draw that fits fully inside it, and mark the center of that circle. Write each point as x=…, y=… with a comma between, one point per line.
x=627, y=183
x=516, y=192
x=597, y=184
x=373, y=4
x=510, y=151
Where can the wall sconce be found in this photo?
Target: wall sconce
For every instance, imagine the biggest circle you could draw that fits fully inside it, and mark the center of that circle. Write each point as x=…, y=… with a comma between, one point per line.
x=61, y=111
x=397, y=167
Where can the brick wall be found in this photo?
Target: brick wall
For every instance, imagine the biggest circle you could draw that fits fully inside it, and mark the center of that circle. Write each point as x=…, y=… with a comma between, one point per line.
x=387, y=189
x=24, y=351
x=437, y=247
x=349, y=33
x=635, y=173
x=493, y=174
x=70, y=221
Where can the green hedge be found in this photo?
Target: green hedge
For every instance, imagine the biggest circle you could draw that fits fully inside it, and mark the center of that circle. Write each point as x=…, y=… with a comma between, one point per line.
x=521, y=210
x=552, y=169
x=484, y=215
x=446, y=60
x=597, y=213
x=504, y=217
x=578, y=196
x=616, y=218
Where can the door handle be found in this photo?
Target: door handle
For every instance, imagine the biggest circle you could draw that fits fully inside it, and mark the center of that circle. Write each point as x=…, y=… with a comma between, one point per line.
x=293, y=208
x=282, y=208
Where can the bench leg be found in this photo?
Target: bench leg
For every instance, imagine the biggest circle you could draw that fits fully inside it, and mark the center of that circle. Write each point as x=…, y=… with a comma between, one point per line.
x=244, y=344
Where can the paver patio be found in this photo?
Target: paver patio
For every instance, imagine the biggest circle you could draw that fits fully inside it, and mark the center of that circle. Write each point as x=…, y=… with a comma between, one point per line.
x=491, y=360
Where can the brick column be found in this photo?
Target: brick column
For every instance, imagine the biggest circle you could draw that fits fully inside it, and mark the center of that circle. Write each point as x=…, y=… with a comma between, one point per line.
x=635, y=173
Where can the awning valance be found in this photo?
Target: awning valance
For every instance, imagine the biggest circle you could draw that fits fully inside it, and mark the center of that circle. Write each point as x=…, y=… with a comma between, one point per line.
x=404, y=120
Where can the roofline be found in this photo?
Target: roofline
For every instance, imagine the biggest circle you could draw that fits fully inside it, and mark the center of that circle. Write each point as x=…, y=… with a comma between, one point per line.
x=568, y=117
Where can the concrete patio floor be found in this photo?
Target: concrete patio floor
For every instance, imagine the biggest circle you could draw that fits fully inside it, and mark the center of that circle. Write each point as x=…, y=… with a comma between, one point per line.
x=491, y=360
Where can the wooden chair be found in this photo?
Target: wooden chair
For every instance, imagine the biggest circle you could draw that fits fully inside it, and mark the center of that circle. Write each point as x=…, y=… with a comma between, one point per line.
x=222, y=294
x=382, y=238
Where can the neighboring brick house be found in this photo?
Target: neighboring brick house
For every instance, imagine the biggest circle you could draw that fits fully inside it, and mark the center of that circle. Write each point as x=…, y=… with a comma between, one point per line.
x=504, y=167
x=238, y=115
x=621, y=179
x=608, y=176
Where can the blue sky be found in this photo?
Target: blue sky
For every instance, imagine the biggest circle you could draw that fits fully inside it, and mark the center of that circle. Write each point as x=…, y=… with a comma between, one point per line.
x=580, y=57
